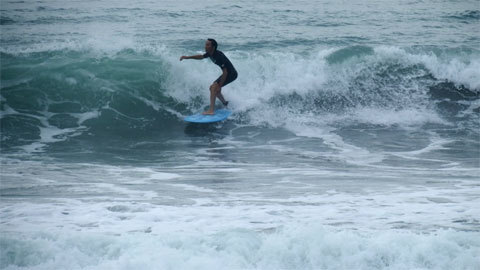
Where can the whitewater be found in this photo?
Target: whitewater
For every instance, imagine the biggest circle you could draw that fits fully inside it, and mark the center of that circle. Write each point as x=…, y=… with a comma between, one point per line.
x=354, y=141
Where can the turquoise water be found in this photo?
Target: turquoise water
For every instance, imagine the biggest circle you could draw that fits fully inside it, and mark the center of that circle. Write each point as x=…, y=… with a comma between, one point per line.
x=354, y=141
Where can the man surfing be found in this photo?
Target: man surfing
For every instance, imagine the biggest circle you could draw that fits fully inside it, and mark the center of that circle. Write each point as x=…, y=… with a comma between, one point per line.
x=229, y=74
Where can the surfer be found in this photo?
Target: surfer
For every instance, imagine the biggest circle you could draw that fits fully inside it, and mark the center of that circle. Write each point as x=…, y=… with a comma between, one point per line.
x=229, y=74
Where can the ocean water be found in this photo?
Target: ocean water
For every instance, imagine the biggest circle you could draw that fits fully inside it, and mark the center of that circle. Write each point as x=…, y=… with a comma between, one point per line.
x=354, y=141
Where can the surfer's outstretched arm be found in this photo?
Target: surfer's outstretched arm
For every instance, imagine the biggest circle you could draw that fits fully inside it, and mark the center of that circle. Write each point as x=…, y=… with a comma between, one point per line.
x=197, y=57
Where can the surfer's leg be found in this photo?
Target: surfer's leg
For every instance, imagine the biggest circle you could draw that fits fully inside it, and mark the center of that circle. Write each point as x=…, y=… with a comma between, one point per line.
x=219, y=90
x=220, y=96
x=230, y=78
x=213, y=96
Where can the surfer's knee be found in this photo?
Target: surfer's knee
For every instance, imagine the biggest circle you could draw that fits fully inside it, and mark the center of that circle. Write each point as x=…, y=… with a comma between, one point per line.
x=214, y=88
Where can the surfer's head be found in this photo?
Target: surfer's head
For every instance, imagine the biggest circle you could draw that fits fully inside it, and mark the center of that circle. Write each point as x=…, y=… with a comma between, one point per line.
x=210, y=45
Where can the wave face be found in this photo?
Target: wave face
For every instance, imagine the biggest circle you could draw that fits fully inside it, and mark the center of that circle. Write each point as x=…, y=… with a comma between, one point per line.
x=51, y=96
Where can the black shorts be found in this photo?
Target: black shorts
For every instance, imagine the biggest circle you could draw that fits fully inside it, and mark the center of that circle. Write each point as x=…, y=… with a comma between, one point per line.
x=231, y=76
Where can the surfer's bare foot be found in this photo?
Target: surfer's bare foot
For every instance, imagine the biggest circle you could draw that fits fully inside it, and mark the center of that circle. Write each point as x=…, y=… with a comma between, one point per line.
x=208, y=113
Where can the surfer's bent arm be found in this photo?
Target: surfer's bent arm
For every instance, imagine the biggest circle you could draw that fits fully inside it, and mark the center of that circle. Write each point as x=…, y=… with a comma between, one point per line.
x=224, y=77
x=197, y=57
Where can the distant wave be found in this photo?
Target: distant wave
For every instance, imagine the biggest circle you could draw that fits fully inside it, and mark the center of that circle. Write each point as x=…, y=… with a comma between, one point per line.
x=467, y=16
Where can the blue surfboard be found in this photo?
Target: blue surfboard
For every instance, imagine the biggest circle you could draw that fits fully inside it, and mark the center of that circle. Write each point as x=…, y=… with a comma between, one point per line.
x=219, y=115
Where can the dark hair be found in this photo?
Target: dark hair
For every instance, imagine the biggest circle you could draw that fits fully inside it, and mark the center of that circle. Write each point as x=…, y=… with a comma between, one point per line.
x=214, y=43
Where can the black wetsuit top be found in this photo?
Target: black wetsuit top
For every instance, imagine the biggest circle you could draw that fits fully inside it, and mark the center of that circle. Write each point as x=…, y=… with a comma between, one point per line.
x=222, y=61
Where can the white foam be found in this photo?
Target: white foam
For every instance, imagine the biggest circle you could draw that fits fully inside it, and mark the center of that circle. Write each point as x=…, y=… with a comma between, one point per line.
x=82, y=117
x=261, y=77
x=455, y=69
x=265, y=76
x=130, y=174
x=49, y=133
x=310, y=126
x=105, y=217
x=435, y=144
x=405, y=118
x=192, y=188
x=293, y=247
x=268, y=75
x=361, y=205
